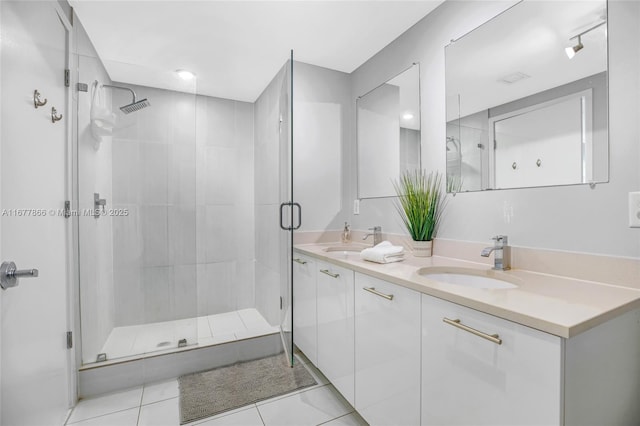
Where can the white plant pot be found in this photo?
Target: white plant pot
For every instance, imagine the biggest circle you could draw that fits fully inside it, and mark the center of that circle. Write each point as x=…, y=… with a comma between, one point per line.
x=422, y=248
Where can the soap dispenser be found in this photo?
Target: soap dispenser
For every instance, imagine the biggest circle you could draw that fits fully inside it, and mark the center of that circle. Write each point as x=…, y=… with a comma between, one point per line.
x=346, y=234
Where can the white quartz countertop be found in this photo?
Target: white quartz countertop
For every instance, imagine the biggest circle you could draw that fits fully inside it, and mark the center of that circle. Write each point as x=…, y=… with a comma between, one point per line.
x=554, y=304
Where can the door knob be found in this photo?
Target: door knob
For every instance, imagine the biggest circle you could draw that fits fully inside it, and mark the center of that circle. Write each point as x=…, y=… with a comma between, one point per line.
x=9, y=274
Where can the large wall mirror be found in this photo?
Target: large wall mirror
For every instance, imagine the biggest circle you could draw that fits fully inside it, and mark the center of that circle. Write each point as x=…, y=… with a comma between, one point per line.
x=527, y=98
x=388, y=133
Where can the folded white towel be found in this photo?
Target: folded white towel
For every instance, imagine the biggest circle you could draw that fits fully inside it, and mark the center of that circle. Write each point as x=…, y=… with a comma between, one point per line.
x=385, y=252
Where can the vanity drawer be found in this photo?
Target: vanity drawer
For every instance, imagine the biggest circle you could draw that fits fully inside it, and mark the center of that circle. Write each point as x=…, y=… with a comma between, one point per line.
x=482, y=370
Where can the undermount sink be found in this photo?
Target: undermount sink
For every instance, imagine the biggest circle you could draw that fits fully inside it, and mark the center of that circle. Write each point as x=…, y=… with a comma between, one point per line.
x=468, y=278
x=347, y=249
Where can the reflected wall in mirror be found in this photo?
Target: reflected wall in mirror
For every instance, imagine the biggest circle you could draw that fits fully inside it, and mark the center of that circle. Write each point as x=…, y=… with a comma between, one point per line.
x=527, y=98
x=388, y=133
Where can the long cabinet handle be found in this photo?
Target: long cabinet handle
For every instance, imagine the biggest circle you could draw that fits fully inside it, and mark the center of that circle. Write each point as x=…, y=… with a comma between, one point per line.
x=326, y=271
x=490, y=337
x=300, y=261
x=377, y=293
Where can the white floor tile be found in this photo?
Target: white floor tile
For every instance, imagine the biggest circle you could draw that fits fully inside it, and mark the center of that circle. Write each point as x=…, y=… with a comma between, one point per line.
x=246, y=417
x=121, y=418
x=352, y=419
x=227, y=323
x=160, y=391
x=311, y=407
x=163, y=413
x=106, y=404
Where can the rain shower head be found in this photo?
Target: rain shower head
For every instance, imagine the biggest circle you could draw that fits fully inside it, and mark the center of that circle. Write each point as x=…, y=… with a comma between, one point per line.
x=133, y=106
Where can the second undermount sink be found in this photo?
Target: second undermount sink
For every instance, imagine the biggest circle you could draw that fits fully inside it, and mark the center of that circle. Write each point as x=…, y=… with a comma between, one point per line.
x=347, y=249
x=466, y=277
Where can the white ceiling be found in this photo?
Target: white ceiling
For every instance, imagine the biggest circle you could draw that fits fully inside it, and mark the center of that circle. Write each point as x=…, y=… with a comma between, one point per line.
x=236, y=47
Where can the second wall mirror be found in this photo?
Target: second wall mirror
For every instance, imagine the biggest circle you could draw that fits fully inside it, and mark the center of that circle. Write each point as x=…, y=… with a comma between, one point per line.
x=527, y=98
x=388, y=133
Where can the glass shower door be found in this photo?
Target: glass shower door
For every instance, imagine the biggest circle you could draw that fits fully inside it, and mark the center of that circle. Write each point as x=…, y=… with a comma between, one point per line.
x=136, y=190
x=290, y=211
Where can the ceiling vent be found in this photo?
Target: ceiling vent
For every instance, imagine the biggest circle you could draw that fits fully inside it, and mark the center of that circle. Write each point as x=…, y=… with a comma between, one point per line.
x=513, y=78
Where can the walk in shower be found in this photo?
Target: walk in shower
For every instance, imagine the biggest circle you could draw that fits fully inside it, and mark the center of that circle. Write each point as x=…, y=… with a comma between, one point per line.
x=177, y=203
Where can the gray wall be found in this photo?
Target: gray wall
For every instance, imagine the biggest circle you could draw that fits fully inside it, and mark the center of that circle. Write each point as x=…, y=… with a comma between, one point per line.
x=574, y=218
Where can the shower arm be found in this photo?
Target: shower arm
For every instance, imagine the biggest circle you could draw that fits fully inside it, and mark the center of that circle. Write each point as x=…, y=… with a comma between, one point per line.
x=122, y=88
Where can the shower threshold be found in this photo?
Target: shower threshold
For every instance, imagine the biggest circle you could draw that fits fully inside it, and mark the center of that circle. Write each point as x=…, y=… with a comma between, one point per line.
x=139, y=341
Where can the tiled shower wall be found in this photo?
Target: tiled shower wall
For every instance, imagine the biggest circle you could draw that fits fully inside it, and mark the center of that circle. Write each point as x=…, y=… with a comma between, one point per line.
x=225, y=205
x=184, y=169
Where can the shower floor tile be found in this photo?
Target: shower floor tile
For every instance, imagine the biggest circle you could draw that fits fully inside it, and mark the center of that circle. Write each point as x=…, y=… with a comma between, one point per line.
x=226, y=323
x=127, y=341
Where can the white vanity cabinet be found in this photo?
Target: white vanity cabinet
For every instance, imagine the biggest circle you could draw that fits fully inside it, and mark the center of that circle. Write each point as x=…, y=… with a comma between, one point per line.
x=468, y=379
x=336, y=327
x=305, y=320
x=387, y=352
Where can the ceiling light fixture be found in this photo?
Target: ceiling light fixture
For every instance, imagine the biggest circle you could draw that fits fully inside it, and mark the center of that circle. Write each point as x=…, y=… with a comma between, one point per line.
x=407, y=116
x=572, y=50
x=185, y=75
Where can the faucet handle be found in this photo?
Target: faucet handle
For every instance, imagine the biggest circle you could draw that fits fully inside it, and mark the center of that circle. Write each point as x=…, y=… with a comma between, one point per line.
x=376, y=228
x=501, y=239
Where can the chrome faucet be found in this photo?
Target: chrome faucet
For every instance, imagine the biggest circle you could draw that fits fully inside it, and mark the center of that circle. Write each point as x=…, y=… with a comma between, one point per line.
x=377, y=235
x=502, y=255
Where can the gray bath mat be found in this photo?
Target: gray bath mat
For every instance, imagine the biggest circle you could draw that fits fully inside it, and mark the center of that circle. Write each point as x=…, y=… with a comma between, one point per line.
x=211, y=392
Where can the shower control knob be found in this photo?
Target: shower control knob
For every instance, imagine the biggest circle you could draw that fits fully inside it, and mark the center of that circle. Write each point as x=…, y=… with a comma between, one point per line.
x=9, y=274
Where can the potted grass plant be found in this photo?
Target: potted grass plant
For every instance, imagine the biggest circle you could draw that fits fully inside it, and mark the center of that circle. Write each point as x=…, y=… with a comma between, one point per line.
x=420, y=203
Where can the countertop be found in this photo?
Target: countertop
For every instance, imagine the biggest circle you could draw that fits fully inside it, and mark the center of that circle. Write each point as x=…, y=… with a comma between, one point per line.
x=554, y=304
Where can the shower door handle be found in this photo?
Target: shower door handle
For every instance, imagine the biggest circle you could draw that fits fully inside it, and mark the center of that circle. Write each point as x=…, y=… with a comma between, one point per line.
x=9, y=274
x=299, y=216
x=290, y=227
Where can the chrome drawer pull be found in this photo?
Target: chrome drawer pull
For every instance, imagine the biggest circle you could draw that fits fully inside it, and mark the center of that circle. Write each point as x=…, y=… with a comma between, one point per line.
x=300, y=261
x=326, y=271
x=377, y=293
x=490, y=337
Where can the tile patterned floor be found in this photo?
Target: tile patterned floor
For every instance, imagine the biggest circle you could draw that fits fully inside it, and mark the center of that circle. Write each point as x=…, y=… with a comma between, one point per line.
x=157, y=405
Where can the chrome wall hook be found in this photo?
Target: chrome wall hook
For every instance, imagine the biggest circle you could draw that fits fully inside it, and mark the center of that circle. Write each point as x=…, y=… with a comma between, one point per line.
x=54, y=115
x=37, y=101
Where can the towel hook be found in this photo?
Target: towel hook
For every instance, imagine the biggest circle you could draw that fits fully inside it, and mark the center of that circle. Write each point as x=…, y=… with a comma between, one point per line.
x=54, y=115
x=37, y=102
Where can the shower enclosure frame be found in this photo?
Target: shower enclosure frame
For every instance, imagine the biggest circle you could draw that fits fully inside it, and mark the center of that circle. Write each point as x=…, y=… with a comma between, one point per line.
x=285, y=244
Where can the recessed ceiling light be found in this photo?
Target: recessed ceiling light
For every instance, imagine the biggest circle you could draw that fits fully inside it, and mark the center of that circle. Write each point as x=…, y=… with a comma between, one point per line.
x=407, y=116
x=185, y=75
